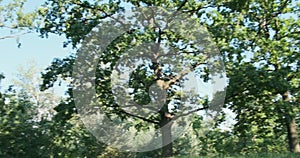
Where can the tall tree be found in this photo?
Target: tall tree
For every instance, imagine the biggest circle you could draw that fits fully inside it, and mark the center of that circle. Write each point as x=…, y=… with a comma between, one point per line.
x=260, y=41
x=28, y=80
x=167, y=62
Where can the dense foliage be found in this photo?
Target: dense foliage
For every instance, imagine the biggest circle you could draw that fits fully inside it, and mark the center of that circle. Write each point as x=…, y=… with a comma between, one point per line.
x=259, y=43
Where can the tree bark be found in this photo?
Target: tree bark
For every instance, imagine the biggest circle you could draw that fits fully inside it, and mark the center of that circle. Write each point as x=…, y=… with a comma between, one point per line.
x=293, y=136
x=166, y=133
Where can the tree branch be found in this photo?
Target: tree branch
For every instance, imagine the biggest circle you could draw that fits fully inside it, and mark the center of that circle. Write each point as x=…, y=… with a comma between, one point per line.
x=183, y=73
x=139, y=117
x=188, y=113
x=13, y=36
x=182, y=5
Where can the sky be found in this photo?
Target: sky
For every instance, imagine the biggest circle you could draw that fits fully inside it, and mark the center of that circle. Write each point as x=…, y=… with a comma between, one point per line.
x=33, y=48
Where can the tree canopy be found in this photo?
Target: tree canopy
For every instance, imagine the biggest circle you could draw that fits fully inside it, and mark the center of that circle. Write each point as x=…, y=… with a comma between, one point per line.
x=133, y=79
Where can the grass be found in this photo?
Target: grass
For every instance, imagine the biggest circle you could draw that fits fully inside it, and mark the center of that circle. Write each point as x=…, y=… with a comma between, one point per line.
x=256, y=155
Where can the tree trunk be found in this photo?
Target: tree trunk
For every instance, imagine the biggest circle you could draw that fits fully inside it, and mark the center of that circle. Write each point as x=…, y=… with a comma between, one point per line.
x=166, y=125
x=293, y=136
